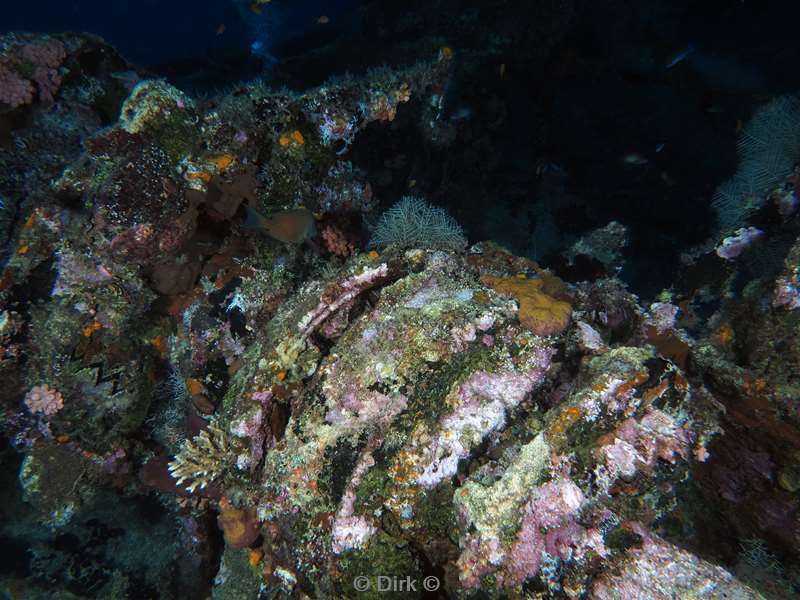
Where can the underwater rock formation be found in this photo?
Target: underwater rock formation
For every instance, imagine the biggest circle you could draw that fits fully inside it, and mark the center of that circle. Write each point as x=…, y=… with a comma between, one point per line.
x=306, y=421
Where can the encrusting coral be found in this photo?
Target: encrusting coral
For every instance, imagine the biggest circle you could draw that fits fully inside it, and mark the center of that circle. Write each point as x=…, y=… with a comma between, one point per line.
x=538, y=311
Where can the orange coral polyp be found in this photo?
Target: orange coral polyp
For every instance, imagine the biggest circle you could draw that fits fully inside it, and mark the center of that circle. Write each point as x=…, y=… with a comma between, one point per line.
x=91, y=328
x=222, y=161
x=194, y=386
x=201, y=175
x=254, y=557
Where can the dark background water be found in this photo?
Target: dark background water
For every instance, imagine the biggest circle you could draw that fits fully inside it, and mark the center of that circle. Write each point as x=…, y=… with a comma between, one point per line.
x=538, y=158
x=199, y=45
x=147, y=32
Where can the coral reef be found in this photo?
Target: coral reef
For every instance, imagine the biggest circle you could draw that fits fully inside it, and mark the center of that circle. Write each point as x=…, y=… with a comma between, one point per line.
x=304, y=419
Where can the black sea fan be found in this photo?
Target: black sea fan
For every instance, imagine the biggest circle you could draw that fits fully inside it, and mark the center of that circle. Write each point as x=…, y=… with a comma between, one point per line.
x=769, y=147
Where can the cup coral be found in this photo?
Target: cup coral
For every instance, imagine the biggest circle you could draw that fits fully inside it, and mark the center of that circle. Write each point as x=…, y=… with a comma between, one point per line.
x=42, y=399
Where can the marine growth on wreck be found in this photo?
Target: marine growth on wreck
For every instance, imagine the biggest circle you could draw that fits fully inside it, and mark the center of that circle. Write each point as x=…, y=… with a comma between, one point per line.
x=361, y=300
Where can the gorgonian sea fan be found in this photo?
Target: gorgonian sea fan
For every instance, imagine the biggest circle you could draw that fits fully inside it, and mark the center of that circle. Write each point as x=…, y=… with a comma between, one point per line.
x=413, y=223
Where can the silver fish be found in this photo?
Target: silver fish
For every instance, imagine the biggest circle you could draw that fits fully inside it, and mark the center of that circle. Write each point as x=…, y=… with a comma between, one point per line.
x=634, y=159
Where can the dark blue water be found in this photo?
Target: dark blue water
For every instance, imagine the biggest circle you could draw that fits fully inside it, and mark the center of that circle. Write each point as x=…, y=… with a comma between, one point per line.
x=199, y=45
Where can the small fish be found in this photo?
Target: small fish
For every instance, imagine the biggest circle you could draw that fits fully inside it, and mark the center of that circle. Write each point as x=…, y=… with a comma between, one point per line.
x=660, y=147
x=634, y=159
x=412, y=183
x=545, y=167
x=462, y=114
x=291, y=226
x=323, y=20
x=681, y=56
x=129, y=79
x=220, y=29
x=502, y=70
x=2, y=203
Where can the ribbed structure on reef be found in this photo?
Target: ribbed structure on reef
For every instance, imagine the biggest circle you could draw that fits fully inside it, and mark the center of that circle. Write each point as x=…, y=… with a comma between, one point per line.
x=202, y=459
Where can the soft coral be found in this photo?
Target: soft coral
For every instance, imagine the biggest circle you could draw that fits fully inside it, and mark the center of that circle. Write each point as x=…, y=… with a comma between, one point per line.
x=27, y=62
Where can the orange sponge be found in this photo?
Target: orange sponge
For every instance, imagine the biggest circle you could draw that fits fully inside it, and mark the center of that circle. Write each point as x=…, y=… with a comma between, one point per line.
x=240, y=527
x=539, y=312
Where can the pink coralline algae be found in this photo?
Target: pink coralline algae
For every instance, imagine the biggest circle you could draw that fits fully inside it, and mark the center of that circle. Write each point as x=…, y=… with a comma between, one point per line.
x=638, y=444
x=354, y=405
x=349, y=530
x=251, y=427
x=463, y=335
x=263, y=397
x=549, y=533
x=341, y=192
x=333, y=327
x=588, y=337
x=660, y=571
x=484, y=400
x=45, y=53
x=787, y=293
x=663, y=316
x=734, y=245
x=339, y=295
x=44, y=400
x=549, y=528
x=48, y=81
x=240, y=137
x=76, y=272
